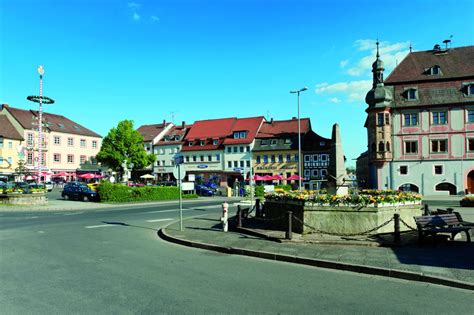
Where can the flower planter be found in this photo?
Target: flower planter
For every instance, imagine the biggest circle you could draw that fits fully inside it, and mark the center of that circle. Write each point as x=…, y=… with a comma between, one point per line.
x=24, y=199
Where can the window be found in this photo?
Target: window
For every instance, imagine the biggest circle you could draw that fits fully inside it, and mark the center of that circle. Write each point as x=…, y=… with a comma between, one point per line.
x=209, y=158
x=287, y=141
x=70, y=158
x=194, y=158
x=258, y=159
x=163, y=162
x=201, y=158
x=265, y=142
x=190, y=144
x=29, y=158
x=411, y=147
x=202, y=143
x=236, y=163
x=470, y=144
x=235, y=149
x=70, y=142
x=288, y=158
x=274, y=142
x=248, y=163
x=379, y=119
x=439, y=118
x=229, y=150
x=296, y=158
x=215, y=141
x=411, y=119
x=157, y=163
x=83, y=144
x=241, y=149
x=94, y=144
x=57, y=158
x=10, y=160
x=324, y=173
x=403, y=170
x=218, y=157
x=381, y=146
x=229, y=164
x=10, y=145
x=315, y=173
x=83, y=159
x=272, y=159
x=57, y=140
x=265, y=158
x=29, y=139
x=242, y=134
x=242, y=163
x=187, y=158
x=248, y=148
x=411, y=94
x=470, y=89
x=438, y=146
x=1, y=142
x=307, y=173
x=438, y=169
x=307, y=158
x=280, y=158
x=436, y=70
x=470, y=115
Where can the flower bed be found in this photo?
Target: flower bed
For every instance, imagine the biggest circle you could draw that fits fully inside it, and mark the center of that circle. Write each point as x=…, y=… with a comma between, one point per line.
x=374, y=198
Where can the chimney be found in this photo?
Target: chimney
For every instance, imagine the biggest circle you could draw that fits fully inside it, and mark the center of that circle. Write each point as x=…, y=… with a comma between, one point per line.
x=271, y=121
x=164, y=122
x=183, y=124
x=293, y=118
x=2, y=106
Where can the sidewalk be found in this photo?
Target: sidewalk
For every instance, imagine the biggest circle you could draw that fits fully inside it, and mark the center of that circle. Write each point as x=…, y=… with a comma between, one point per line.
x=445, y=263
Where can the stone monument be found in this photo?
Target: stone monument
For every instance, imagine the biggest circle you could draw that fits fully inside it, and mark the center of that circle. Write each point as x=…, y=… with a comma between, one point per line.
x=337, y=169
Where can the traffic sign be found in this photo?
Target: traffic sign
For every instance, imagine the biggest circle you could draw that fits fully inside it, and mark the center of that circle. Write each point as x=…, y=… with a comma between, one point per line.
x=178, y=159
x=179, y=174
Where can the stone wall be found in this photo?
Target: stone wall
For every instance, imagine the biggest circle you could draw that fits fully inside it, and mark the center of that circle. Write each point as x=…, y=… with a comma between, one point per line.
x=332, y=219
x=24, y=199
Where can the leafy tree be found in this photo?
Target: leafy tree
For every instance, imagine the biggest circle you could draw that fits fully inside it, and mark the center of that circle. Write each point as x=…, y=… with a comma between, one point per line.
x=124, y=143
x=350, y=170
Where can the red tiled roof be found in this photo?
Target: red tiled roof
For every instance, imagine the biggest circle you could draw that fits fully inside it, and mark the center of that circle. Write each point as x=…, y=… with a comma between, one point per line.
x=275, y=128
x=175, y=131
x=212, y=128
x=454, y=63
x=251, y=125
x=149, y=132
x=53, y=122
x=7, y=130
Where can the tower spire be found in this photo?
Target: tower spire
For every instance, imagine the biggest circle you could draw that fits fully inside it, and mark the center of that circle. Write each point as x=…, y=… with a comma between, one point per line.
x=377, y=43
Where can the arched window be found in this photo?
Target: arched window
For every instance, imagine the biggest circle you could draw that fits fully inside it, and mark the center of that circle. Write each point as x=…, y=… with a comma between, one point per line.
x=446, y=187
x=409, y=187
x=381, y=146
x=387, y=146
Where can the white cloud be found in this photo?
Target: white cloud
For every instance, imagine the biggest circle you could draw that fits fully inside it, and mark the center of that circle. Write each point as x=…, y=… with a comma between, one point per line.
x=389, y=53
x=353, y=90
x=136, y=16
x=343, y=63
x=154, y=18
x=134, y=5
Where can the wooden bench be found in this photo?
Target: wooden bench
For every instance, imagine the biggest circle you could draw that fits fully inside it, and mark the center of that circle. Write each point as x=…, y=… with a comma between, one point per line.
x=441, y=223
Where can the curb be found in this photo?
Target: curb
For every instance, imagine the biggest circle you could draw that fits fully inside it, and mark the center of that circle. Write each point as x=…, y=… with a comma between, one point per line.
x=385, y=272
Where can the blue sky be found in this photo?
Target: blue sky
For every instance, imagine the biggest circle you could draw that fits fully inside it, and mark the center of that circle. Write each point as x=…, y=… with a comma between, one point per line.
x=150, y=61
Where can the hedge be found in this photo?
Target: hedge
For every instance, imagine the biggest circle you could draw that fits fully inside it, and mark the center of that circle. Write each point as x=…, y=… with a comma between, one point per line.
x=109, y=192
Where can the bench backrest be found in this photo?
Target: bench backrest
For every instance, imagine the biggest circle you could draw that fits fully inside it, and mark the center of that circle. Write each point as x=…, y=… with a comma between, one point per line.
x=437, y=220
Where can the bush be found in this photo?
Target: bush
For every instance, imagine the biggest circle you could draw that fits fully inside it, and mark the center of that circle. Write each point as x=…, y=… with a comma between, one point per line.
x=109, y=192
x=283, y=187
x=259, y=191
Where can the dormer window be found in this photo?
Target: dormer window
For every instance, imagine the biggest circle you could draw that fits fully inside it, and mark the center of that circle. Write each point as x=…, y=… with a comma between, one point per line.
x=468, y=89
x=287, y=141
x=274, y=142
x=215, y=141
x=190, y=143
x=240, y=134
x=202, y=142
x=265, y=142
x=435, y=70
x=411, y=94
x=176, y=138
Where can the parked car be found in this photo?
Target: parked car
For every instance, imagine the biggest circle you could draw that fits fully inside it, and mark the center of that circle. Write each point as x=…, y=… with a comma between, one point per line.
x=204, y=190
x=49, y=186
x=79, y=191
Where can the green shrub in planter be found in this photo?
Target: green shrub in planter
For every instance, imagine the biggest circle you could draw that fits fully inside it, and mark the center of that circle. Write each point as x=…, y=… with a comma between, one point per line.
x=119, y=193
x=259, y=191
x=283, y=187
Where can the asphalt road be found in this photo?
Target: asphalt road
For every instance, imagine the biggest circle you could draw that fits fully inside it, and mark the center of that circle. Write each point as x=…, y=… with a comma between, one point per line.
x=112, y=262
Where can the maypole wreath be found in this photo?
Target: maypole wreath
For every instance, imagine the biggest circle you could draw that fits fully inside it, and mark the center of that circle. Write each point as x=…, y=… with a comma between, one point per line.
x=44, y=99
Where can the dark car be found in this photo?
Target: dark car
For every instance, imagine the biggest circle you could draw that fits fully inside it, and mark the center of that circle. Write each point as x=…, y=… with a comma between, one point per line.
x=78, y=191
x=204, y=190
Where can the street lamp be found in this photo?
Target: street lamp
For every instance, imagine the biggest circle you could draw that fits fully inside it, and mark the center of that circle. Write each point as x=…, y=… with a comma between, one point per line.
x=299, y=135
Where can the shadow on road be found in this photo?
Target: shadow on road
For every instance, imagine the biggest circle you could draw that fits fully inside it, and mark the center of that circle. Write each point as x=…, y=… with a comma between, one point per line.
x=130, y=225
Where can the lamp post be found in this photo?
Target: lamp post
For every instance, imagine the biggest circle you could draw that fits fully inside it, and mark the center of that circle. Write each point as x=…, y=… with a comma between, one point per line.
x=299, y=135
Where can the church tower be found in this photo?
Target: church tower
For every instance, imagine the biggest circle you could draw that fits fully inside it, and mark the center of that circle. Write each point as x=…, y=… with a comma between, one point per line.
x=378, y=123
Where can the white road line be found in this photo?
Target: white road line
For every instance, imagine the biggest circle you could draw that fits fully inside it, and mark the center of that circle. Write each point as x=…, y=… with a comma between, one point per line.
x=187, y=209
x=159, y=220
x=163, y=211
x=74, y=213
x=99, y=226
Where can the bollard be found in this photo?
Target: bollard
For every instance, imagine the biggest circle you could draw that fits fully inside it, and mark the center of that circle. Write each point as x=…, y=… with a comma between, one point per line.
x=427, y=210
x=239, y=217
x=224, y=218
x=258, y=212
x=289, y=233
x=396, y=221
x=450, y=210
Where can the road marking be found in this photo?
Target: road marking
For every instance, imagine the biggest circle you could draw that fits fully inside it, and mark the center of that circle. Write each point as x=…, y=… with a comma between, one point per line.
x=159, y=220
x=163, y=211
x=99, y=226
x=74, y=213
x=35, y=217
x=186, y=209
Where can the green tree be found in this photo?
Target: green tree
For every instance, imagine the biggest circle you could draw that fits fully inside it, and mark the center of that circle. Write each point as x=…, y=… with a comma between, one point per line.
x=124, y=143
